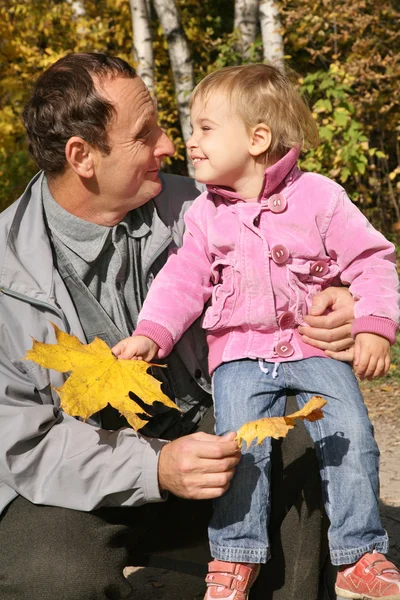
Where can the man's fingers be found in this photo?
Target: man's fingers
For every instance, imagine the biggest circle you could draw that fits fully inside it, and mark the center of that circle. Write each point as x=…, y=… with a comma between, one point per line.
x=343, y=355
x=332, y=345
x=228, y=437
x=211, y=446
x=333, y=297
x=338, y=319
x=199, y=465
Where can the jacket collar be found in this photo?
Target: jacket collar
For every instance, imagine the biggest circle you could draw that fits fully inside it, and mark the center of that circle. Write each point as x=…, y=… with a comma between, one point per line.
x=85, y=238
x=27, y=262
x=273, y=177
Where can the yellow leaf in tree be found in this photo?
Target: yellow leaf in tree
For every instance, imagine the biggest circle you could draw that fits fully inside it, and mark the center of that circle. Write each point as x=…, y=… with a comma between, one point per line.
x=278, y=427
x=98, y=378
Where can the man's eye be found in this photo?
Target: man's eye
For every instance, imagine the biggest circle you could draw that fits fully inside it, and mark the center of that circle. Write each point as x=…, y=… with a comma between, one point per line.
x=143, y=135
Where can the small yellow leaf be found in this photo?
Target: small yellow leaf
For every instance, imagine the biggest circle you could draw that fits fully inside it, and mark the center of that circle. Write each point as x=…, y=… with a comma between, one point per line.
x=310, y=411
x=277, y=427
x=98, y=378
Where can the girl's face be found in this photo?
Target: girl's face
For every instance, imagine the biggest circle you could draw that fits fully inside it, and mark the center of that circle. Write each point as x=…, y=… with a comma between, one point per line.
x=219, y=147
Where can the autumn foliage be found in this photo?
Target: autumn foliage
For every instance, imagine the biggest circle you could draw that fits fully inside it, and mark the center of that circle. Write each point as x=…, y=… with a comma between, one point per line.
x=346, y=54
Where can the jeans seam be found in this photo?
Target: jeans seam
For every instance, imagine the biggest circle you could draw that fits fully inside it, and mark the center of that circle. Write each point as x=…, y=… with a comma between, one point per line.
x=351, y=555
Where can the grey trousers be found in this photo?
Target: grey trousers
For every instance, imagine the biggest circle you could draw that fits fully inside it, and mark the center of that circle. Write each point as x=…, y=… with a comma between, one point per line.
x=50, y=553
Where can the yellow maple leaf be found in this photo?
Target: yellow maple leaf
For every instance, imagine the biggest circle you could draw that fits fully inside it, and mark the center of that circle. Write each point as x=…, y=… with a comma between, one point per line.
x=278, y=427
x=98, y=378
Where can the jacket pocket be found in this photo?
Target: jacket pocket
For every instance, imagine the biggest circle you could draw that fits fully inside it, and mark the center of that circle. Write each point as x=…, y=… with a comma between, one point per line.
x=222, y=302
x=305, y=279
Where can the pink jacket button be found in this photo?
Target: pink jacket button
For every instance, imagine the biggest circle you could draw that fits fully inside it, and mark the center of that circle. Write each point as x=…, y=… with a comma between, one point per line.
x=280, y=254
x=319, y=268
x=284, y=349
x=286, y=320
x=277, y=203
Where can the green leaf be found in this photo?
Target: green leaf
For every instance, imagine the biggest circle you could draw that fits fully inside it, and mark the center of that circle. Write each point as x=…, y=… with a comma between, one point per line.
x=323, y=106
x=340, y=117
x=345, y=174
x=325, y=133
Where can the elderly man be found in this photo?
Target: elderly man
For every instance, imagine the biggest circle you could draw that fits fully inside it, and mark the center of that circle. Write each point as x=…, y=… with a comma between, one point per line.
x=80, y=249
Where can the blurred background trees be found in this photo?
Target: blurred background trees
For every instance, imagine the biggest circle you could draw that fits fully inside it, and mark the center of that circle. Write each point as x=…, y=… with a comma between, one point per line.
x=346, y=56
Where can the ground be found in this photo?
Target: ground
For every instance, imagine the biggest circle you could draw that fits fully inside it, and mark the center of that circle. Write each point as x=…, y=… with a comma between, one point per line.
x=383, y=401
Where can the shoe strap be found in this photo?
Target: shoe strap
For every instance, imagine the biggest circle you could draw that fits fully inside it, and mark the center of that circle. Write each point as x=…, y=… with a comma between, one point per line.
x=380, y=564
x=233, y=576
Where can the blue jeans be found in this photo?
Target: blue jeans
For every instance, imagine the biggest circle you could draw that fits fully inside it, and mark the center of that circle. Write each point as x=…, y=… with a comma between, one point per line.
x=246, y=390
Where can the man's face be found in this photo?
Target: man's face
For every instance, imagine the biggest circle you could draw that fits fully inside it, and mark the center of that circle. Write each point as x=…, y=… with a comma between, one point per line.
x=128, y=176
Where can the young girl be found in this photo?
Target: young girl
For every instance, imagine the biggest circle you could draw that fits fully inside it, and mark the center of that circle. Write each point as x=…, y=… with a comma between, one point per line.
x=260, y=243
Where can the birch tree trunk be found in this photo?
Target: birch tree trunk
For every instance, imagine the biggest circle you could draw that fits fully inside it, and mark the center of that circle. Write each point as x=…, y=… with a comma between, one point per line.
x=271, y=26
x=181, y=62
x=142, y=42
x=245, y=23
x=77, y=7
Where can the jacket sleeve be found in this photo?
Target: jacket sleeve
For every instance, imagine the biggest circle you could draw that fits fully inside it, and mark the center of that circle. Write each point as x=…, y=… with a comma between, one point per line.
x=53, y=459
x=367, y=262
x=181, y=289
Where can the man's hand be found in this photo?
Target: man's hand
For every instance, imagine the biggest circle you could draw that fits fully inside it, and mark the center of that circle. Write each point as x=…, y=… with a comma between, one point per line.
x=371, y=356
x=331, y=332
x=136, y=347
x=198, y=466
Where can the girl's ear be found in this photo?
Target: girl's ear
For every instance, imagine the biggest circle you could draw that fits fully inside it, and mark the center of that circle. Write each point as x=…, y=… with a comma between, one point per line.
x=260, y=139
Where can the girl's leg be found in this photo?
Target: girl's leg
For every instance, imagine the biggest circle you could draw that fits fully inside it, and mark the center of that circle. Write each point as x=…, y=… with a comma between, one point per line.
x=238, y=530
x=348, y=456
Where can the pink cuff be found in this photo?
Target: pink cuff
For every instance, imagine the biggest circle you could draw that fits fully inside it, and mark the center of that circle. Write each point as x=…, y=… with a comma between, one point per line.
x=159, y=334
x=379, y=325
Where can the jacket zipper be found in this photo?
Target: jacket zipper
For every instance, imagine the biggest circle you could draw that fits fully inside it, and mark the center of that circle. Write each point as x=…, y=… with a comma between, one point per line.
x=34, y=302
x=160, y=250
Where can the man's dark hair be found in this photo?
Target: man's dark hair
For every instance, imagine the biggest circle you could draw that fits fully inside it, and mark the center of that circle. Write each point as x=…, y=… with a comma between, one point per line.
x=64, y=103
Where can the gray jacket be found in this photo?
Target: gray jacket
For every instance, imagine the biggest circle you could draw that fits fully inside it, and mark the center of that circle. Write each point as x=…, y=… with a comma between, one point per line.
x=45, y=455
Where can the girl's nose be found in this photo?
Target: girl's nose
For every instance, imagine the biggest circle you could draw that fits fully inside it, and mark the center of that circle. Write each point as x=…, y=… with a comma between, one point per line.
x=190, y=143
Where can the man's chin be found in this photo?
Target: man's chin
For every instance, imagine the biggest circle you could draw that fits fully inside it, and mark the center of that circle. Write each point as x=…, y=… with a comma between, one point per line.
x=148, y=191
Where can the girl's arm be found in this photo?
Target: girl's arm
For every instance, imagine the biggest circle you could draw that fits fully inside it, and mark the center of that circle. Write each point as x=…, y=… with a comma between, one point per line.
x=367, y=264
x=179, y=292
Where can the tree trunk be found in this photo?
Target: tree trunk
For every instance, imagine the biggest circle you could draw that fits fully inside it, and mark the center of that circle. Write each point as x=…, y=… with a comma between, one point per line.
x=271, y=26
x=77, y=7
x=246, y=24
x=142, y=42
x=181, y=62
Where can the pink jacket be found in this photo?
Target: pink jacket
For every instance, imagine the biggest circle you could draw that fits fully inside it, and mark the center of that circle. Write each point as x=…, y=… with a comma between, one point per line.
x=257, y=266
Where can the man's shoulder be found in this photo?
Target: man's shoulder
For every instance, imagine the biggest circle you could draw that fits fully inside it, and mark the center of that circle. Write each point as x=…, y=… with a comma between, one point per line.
x=8, y=213
x=179, y=183
x=176, y=196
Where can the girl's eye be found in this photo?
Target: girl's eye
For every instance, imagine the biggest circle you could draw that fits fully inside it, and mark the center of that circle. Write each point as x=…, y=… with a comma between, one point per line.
x=205, y=128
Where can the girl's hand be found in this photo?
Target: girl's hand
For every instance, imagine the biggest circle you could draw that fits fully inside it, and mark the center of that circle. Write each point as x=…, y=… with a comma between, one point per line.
x=371, y=356
x=137, y=347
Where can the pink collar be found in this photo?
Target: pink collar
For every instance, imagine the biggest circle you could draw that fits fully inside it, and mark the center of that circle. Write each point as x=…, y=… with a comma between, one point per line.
x=274, y=175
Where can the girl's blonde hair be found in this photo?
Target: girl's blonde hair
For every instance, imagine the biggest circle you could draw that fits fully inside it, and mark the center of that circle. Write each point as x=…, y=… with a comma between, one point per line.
x=261, y=93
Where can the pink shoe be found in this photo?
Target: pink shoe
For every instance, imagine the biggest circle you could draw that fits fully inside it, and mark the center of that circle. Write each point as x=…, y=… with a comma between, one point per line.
x=230, y=581
x=372, y=577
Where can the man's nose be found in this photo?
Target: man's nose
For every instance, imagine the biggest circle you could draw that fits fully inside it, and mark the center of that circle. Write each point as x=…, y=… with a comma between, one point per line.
x=164, y=146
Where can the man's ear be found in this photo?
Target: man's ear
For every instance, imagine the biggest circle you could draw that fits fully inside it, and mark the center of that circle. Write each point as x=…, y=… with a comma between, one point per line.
x=260, y=139
x=79, y=155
